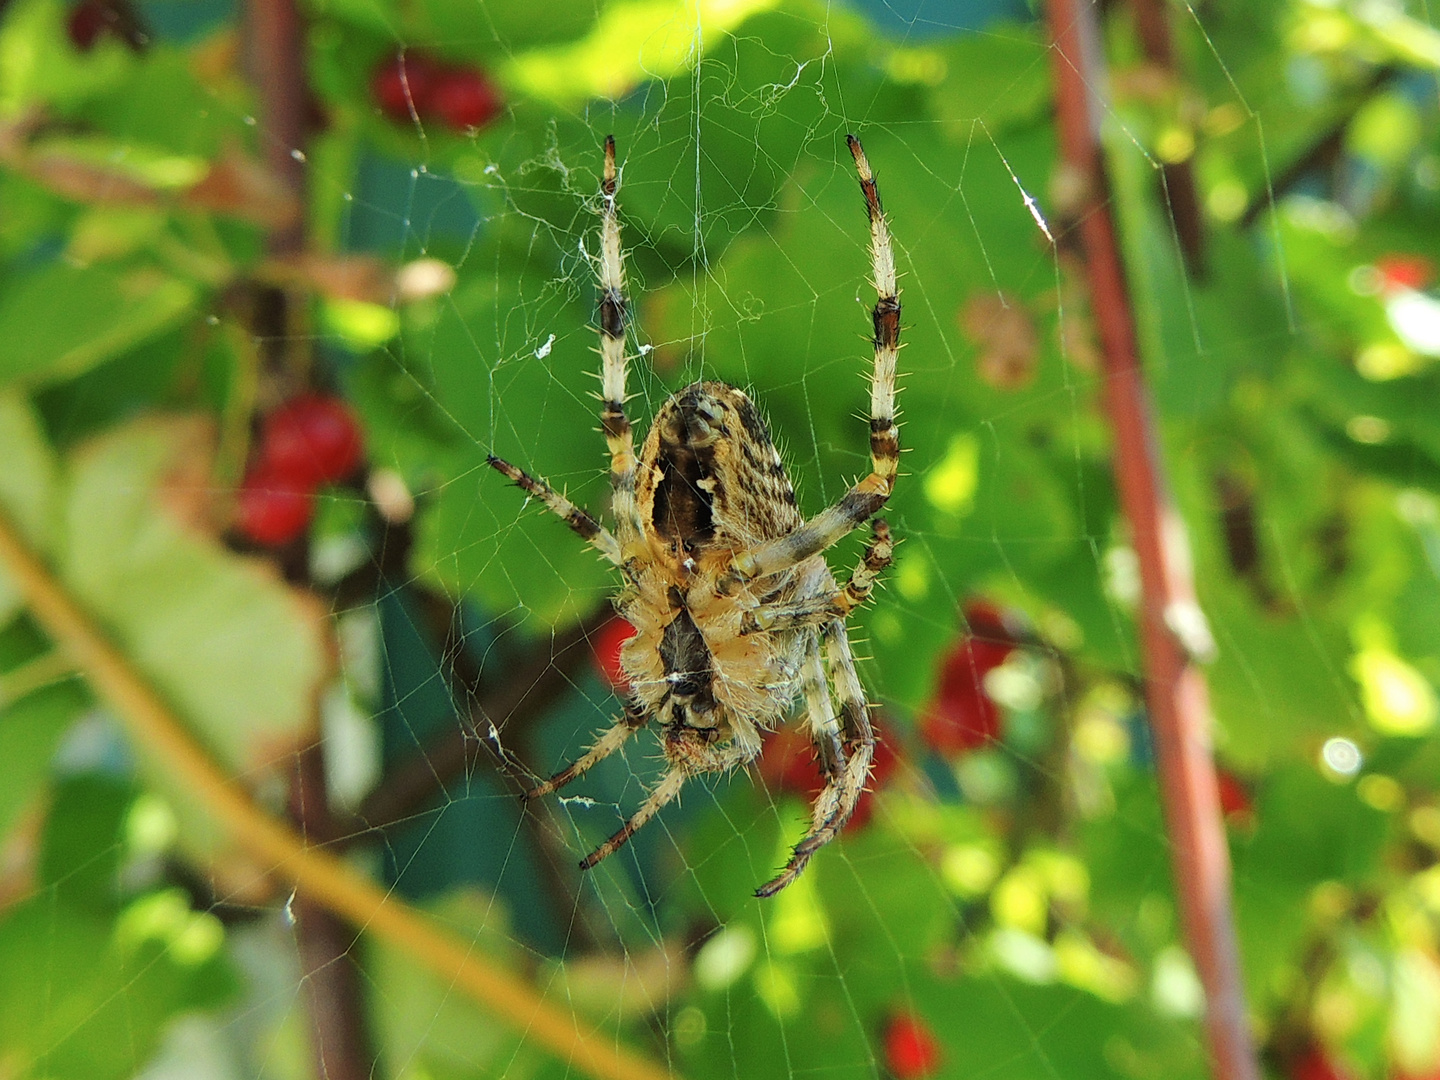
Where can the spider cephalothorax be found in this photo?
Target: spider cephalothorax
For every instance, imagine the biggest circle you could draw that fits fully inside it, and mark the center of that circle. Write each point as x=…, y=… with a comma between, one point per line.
x=732, y=603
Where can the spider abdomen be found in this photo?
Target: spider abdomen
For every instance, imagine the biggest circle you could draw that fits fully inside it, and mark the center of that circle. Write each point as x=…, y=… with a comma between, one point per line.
x=710, y=478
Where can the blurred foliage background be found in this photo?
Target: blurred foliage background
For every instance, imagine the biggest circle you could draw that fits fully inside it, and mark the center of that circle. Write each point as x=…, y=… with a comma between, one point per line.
x=411, y=628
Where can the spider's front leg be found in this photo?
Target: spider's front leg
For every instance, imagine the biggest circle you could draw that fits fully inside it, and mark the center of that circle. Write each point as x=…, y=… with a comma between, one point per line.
x=580, y=521
x=619, y=437
x=845, y=783
x=866, y=498
x=817, y=610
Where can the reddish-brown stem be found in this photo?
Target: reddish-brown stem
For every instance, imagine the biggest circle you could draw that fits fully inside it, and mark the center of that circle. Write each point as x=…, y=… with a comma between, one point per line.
x=1171, y=627
x=326, y=943
x=276, y=55
x=276, y=39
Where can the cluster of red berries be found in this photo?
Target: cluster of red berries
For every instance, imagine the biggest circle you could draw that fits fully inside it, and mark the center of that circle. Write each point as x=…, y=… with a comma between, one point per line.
x=912, y=1052
x=310, y=441
x=962, y=716
x=413, y=84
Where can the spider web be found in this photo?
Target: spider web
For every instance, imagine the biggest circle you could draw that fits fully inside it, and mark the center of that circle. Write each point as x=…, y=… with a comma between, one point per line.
x=1008, y=887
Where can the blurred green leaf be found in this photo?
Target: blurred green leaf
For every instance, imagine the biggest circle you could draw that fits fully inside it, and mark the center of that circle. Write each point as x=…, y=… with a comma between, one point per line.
x=63, y=320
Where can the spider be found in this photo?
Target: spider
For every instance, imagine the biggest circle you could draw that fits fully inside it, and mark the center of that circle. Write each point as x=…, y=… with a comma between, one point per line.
x=736, y=613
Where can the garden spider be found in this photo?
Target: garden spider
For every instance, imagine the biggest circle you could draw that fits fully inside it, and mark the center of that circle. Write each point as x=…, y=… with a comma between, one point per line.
x=723, y=580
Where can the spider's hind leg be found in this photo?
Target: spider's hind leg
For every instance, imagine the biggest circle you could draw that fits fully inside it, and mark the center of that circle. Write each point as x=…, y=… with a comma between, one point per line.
x=580, y=521
x=618, y=436
x=710, y=759
x=836, y=803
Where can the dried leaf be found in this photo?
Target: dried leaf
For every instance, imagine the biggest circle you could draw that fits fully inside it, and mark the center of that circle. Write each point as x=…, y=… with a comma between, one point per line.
x=1003, y=330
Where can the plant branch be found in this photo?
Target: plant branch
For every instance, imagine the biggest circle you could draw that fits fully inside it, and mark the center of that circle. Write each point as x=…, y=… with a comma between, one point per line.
x=314, y=872
x=342, y=1045
x=1172, y=627
x=1322, y=153
x=1177, y=178
x=276, y=38
x=529, y=687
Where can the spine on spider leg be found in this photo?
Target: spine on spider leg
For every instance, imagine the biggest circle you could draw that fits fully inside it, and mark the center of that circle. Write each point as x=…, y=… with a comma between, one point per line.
x=884, y=434
x=618, y=435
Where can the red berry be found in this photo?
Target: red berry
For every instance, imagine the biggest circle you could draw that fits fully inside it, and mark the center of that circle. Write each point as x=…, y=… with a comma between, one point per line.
x=312, y=440
x=1399, y=271
x=1314, y=1064
x=272, y=508
x=986, y=619
x=962, y=715
x=605, y=647
x=911, y=1050
x=402, y=81
x=465, y=98
x=88, y=20
x=1235, y=801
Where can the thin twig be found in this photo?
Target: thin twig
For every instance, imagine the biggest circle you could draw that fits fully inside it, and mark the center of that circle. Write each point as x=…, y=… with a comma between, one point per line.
x=529, y=687
x=1172, y=628
x=340, y=1037
x=1322, y=153
x=342, y=1046
x=313, y=871
x=1177, y=178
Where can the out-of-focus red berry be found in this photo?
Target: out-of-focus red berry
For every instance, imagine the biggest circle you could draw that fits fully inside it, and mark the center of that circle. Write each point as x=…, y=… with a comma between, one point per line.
x=605, y=647
x=1315, y=1064
x=911, y=1050
x=88, y=20
x=1235, y=800
x=962, y=716
x=402, y=81
x=1401, y=271
x=787, y=764
x=465, y=98
x=312, y=440
x=272, y=508
x=986, y=620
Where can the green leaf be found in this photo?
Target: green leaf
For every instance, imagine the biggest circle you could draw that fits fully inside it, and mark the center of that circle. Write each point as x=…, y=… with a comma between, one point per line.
x=62, y=320
x=245, y=680
x=78, y=1003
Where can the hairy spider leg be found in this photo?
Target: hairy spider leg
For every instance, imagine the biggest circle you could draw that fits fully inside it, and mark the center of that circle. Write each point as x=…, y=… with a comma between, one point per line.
x=843, y=789
x=818, y=610
x=579, y=520
x=824, y=731
x=879, y=553
x=670, y=786
x=610, y=741
x=865, y=498
x=618, y=434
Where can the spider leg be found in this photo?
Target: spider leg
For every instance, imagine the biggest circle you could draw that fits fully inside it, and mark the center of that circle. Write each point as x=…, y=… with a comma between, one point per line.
x=670, y=786
x=580, y=522
x=865, y=498
x=618, y=435
x=816, y=610
x=613, y=739
x=824, y=731
x=844, y=787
